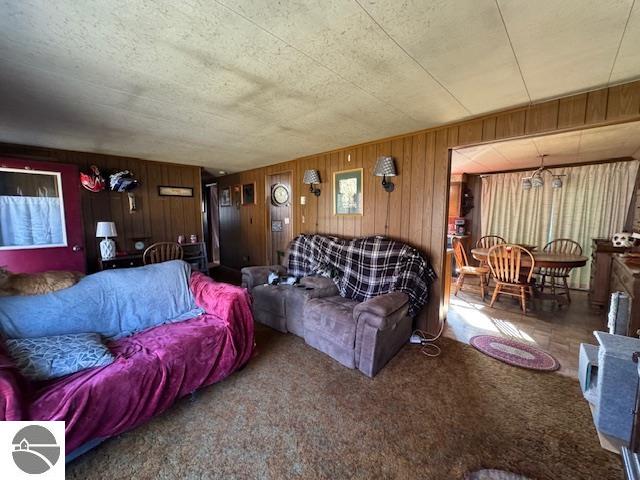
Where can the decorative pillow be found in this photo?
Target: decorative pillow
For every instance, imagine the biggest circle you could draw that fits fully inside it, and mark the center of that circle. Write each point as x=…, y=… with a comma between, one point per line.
x=44, y=358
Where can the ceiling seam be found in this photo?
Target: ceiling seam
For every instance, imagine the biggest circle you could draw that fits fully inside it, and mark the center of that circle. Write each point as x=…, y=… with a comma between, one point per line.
x=515, y=56
x=313, y=59
x=413, y=58
x=624, y=31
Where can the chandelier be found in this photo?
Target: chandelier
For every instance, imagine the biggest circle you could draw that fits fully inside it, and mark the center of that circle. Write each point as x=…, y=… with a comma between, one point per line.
x=536, y=180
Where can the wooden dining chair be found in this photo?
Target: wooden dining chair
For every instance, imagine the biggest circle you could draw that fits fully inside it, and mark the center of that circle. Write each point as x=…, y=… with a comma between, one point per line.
x=555, y=275
x=505, y=263
x=489, y=241
x=162, y=252
x=464, y=268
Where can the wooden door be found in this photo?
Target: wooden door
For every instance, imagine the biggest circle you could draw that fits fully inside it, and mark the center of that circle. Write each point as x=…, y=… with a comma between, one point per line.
x=40, y=217
x=280, y=223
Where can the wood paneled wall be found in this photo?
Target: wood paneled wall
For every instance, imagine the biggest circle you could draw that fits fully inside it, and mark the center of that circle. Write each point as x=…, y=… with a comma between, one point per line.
x=419, y=203
x=159, y=218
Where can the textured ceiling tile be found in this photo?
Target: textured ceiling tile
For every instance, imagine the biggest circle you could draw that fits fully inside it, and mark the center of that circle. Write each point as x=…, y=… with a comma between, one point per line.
x=627, y=65
x=462, y=43
x=259, y=81
x=341, y=36
x=558, y=144
x=517, y=151
x=565, y=46
x=233, y=86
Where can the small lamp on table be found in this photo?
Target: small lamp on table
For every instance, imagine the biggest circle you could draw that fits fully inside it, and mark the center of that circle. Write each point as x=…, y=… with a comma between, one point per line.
x=107, y=246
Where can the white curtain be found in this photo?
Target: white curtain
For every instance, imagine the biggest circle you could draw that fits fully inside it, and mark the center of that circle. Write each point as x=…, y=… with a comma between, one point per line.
x=30, y=221
x=593, y=203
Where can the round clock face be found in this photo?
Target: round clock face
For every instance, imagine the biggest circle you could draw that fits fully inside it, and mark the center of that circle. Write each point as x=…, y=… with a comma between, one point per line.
x=139, y=245
x=280, y=194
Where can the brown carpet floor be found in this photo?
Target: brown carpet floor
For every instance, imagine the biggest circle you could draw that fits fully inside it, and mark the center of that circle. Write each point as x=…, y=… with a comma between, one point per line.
x=295, y=413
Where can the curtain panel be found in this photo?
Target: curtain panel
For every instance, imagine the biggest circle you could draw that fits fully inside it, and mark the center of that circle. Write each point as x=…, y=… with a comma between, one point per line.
x=593, y=203
x=30, y=221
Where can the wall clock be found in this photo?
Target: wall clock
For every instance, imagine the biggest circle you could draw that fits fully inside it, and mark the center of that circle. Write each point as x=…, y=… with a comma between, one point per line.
x=279, y=195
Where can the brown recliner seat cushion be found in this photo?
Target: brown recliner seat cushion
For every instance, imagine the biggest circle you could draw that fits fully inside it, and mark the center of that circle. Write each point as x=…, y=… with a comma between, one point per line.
x=330, y=327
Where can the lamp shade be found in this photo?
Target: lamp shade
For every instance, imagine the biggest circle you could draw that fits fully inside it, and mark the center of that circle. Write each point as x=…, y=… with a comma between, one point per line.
x=106, y=229
x=310, y=177
x=385, y=167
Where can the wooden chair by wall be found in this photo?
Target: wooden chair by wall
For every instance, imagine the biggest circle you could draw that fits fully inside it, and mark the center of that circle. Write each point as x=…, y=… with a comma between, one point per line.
x=559, y=245
x=162, y=252
x=465, y=269
x=505, y=262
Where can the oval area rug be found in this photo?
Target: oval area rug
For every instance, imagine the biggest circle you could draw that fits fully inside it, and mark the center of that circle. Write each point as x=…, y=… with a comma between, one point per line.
x=515, y=352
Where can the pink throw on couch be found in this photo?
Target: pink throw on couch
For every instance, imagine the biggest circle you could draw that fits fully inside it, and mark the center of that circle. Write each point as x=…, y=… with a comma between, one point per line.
x=151, y=371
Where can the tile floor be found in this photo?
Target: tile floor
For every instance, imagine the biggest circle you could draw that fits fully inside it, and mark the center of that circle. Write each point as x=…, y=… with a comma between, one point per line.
x=558, y=331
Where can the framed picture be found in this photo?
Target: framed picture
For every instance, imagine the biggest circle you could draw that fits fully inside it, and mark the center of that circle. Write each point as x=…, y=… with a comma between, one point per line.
x=167, y=191
x=347, y=192
x=225, y=197
x=248, y=193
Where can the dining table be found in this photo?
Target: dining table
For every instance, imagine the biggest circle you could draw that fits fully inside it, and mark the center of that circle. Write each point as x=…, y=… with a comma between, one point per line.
x=542, y=259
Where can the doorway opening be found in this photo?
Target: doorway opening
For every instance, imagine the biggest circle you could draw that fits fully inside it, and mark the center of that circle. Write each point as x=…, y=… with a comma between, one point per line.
x=576, y=188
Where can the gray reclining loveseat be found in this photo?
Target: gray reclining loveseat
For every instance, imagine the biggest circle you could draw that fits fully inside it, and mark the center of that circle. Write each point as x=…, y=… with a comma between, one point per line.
x=354, y=300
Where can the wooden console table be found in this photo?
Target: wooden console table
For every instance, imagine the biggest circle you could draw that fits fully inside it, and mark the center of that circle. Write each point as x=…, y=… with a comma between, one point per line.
x=626, y=278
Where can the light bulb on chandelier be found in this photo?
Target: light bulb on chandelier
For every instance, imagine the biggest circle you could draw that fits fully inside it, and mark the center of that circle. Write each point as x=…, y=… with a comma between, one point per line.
x=536, y=180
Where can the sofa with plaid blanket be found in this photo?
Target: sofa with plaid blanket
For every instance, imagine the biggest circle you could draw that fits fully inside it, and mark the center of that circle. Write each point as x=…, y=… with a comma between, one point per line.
x=353, y=299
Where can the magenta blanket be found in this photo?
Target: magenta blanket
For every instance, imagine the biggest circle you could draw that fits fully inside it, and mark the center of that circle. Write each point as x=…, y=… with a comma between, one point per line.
x=152, y=370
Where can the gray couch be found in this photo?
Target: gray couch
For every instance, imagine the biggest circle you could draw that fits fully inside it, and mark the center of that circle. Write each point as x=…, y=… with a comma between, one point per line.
x=363, y=335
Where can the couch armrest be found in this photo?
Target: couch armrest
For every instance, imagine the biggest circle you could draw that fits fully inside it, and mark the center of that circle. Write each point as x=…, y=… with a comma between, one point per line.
x=254, y=276
x=383, y=311
x=10, y=391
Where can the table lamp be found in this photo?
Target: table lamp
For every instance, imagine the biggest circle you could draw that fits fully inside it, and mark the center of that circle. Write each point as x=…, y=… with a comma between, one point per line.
x=107, y=246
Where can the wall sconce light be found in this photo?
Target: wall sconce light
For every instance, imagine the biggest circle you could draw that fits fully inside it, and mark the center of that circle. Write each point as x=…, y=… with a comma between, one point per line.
x=310, y=178
x=385, y=167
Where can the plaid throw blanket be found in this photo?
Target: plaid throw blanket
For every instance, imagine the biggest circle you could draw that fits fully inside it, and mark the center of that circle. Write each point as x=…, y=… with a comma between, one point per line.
x=364, y=268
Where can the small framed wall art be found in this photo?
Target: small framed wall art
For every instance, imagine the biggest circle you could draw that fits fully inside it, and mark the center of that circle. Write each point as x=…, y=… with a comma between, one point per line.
x=168, y=191
x=347, y=192
x=225, y=197
x=249, y=193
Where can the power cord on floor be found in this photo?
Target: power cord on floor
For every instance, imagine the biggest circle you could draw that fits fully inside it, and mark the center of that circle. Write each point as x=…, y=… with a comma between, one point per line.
x=427, y=341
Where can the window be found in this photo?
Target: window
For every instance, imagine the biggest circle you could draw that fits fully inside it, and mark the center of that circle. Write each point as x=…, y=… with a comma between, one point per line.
x=31, y=209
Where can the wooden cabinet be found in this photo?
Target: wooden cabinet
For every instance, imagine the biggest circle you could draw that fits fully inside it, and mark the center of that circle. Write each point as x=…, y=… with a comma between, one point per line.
x=455, y=199
x=122, y=261
x=195, y=254
x=601, y=258
x=460, y=197
x=626, y=278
